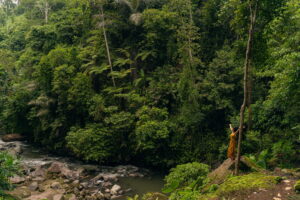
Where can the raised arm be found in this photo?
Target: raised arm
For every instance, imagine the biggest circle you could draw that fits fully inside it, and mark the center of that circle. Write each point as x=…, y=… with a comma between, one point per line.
x=236, y=132
x=231, y=128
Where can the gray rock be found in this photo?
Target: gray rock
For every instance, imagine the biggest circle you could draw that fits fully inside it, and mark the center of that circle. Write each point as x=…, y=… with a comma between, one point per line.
x=115, y=189
x=69, y=174
x=84, y=185
x=76, y=191
x=56, y=167
x=58, y=197
x=39, y=172
x=115, y=197
x=75, y=183
x=55, y=185
x=33, y=186
x=39, y=179
x=107, y=196
x=13, y=148
x=21, y=193
x=17, y=180
x=107, y=184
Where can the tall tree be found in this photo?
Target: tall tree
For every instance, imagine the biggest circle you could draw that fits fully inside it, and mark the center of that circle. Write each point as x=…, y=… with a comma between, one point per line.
x=45, y=8
x=134, y=6
x=102, y=25
x=247, y=84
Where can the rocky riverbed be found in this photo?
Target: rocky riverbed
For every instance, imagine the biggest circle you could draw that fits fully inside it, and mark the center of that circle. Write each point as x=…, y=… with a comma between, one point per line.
x=56, y=178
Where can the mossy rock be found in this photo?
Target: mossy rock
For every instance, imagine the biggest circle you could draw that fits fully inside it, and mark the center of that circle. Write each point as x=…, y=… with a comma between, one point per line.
x=155, y=196
x=246, y=183
x=240, y=186
x=279, y=179
x=297, y=186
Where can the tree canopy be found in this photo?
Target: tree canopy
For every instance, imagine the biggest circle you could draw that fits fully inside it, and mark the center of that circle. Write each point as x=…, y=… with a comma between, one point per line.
x=150, y=82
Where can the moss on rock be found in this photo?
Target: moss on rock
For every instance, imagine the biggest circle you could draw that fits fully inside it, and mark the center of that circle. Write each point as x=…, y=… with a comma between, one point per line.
x=241, y=185
x=155, y=196
x=246, y=183
x=297, y=186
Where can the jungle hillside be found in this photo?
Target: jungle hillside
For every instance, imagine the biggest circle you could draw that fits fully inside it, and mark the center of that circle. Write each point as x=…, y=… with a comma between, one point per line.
x=154, y=83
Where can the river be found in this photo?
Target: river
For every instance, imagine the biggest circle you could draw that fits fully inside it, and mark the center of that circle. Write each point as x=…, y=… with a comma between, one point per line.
x=145, y=181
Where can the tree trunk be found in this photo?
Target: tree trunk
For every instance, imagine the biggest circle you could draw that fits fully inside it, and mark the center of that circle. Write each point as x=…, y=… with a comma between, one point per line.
x=47, y=8
x=107, y=46
x=249, y=98
x=189, y=39
x=246, y=82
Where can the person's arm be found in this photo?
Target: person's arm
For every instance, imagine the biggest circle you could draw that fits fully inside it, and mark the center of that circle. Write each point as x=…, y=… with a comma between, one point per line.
x=236, y=132
x=231, y=128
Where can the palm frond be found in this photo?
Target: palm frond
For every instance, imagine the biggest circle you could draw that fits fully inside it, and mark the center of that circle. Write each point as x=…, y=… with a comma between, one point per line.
x=136, y=18
x=127, y=3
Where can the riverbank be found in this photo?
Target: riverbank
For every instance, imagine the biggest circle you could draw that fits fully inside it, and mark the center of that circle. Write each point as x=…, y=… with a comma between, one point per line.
x=45, y=176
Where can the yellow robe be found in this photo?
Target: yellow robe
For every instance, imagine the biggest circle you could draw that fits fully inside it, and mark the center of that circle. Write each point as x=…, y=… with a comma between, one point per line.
x=231, y=148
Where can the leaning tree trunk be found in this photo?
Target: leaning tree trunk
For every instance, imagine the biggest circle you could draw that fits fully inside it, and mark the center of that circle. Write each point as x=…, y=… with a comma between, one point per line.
x=107, y=46
x=246, y=82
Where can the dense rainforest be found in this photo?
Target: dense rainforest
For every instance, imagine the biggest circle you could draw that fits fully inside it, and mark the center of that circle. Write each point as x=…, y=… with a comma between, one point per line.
x=150, y=82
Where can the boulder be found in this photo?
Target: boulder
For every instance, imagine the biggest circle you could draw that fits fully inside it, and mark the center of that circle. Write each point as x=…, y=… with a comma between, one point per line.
x=105, y=177
x=13, y=148
x=69, y=174
x=64, y=171
x=33, y=186
x=55, y=185
x=39, y=172
x=21, y=193
x=58, y=197
x=12, y=137
x=48, y=194
x=106, y=184
x=38, y=179
x=110, y=177
x=115, y=189
x=56, y=167
x=17, y=180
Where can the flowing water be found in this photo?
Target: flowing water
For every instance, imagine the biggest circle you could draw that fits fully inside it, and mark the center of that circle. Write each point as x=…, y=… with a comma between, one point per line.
x=152, y=182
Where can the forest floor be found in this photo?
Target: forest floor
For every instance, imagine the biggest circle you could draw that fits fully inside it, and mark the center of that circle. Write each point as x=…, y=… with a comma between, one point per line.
x=282, y=191
x=260, y=185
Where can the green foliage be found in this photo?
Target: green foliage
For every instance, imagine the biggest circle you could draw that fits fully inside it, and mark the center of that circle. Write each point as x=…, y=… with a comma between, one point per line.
x=152, y=127
x=186, y=194
x=283, y=153
x=297, y=186
x=154, y=196
x=177, y=65
x=6, y=197
x=91, y=143
x=241, y=185
x=42, y=38
x=262, y=159
x=186, y=174
x=15, y=109
x=8, y=168
x=245, y=183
